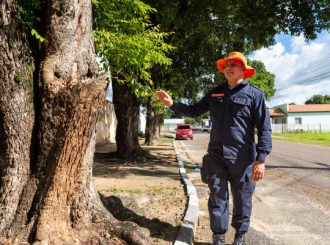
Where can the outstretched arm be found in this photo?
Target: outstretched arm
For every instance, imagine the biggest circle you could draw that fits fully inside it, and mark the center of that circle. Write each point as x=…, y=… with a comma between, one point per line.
x=194, y=110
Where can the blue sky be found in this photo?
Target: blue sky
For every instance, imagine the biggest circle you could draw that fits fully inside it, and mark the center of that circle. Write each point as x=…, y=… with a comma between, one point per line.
x=302, y=68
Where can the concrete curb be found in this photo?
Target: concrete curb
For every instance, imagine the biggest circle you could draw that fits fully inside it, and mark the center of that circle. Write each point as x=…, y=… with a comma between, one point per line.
x=187, y=230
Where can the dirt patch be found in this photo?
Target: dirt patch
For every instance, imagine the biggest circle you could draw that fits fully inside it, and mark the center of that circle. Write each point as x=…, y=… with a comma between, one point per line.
x=147, y=192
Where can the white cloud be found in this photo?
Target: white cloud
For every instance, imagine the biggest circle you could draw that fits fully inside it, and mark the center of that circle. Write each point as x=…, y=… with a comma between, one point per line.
x=300, y=72
x=297, y=43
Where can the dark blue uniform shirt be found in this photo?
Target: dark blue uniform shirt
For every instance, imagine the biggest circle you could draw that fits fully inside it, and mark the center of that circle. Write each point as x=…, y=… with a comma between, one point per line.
x=235, y=114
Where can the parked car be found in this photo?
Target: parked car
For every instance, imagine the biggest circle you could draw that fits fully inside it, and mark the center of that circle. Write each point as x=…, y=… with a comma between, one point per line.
x=196, y=128
x=183, y=131
x=206, y=129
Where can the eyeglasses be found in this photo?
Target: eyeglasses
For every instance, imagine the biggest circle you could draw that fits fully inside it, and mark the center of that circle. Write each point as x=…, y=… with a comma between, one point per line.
x=230, y=65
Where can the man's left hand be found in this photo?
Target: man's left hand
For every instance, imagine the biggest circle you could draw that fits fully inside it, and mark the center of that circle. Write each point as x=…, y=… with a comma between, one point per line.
x=258, y=171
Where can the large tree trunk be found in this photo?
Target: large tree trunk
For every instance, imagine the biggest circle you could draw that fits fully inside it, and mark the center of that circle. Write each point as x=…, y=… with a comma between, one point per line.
x=127, y=109
x=153, y=125
x=72, y=92
x=46, y=192
x=16, y=115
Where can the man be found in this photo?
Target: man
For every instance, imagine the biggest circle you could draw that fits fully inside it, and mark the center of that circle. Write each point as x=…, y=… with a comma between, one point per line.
x=236, y=108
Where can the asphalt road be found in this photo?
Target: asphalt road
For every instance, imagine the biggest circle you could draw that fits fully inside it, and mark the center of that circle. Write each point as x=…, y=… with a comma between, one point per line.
x=292, y=202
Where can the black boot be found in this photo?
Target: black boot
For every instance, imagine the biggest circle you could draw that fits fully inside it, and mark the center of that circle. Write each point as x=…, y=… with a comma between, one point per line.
x=239, y=239
x=218, y=239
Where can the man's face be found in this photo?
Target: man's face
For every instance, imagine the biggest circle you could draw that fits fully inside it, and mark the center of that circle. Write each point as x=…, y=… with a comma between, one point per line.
x=233, y=70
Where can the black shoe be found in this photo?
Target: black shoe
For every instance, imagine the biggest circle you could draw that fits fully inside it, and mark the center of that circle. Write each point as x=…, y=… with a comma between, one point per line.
x=218, y=239
x=239, y=239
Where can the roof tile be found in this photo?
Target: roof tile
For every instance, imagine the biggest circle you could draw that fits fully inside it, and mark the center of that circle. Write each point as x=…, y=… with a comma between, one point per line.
x=310, y=108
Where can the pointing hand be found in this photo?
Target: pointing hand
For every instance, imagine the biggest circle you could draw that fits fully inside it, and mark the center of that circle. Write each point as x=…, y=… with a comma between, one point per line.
x=165, y=98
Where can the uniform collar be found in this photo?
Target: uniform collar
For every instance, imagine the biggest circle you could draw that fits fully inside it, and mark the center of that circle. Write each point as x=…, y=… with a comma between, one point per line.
x=238, y=87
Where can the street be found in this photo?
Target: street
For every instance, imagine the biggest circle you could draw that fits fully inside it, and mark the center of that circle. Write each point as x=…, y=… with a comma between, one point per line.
x=291, y=204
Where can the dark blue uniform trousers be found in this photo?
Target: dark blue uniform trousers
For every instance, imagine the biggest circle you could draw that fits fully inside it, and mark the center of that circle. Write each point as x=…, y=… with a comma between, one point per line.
x=238, y=174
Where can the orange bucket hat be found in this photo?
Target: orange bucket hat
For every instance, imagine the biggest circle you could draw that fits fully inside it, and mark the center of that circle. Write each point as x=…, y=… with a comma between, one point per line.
x=248, y=72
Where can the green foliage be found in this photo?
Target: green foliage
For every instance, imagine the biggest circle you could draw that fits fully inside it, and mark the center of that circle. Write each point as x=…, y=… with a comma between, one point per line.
x=319, y=99
x=263, y=79
x=207, y=30
x=168, y=113
x=18, y=77
x=158, y=107
x=28, y=13
x=128, y=45
x=30, y=94
x=27, y=10
x=192, y=121
x=35, y=34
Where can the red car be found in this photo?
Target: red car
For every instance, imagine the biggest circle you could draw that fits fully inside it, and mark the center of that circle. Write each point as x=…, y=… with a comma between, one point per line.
x=183, y=131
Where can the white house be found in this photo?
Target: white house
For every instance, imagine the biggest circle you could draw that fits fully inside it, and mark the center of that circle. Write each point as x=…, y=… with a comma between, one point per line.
x=106, y=125
x=313, y=117
x=107, y=122
x=170, y=124
x=142, y=121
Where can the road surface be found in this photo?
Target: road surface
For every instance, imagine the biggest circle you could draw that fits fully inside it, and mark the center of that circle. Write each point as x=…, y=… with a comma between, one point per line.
x=291, y=204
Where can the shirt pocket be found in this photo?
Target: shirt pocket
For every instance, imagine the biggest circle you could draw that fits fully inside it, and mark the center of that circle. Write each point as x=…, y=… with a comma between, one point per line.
x=240, y=106
x=216, y=108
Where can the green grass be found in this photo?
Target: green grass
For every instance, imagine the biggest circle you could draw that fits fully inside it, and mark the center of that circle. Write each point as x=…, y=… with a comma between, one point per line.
x=115, y=191
x=157, y=190
x=304, y=137
x=166, y=139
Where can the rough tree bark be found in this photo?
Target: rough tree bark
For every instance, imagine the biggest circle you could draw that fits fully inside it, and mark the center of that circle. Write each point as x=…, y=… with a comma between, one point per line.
x=46, y=191
x=16, y=114
x=49, y=194
x=152, y=133
x=127, y=109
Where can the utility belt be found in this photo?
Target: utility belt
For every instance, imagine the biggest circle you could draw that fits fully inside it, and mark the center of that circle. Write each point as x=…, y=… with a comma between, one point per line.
x=210, y=168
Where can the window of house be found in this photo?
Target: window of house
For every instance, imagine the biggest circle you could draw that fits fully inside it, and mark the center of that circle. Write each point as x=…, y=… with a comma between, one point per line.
x=297, y=120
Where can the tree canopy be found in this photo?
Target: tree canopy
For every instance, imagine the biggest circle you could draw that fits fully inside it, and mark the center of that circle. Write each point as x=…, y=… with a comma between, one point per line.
x=205, y=31
x=127, y=43
x=263, y=79
x=318, y=99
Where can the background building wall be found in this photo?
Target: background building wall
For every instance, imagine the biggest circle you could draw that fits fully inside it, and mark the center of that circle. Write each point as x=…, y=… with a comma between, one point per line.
x=106, y=125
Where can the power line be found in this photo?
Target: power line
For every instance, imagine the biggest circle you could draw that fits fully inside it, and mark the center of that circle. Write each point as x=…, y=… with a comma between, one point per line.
x=319, y=67
x=306, y=81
